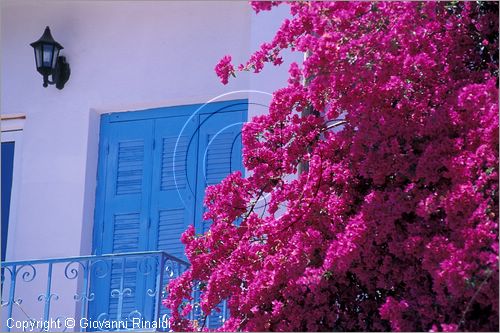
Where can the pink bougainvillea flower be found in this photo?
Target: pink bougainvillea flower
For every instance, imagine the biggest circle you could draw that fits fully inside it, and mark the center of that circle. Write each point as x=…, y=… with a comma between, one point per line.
x=393, y=224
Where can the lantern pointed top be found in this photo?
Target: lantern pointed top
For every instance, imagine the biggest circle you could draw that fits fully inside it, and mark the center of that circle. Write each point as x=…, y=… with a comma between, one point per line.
x=47, y=39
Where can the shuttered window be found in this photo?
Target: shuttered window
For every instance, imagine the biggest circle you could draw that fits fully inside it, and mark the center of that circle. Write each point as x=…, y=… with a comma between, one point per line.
x=154, y=166
x=7, y=169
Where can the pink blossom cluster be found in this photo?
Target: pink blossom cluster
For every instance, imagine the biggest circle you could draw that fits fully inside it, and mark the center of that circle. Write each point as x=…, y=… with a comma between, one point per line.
x=394, y=224
x=224, y=69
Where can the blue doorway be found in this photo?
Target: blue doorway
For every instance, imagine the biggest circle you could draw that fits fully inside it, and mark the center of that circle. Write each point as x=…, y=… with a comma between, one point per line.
x=154, y=166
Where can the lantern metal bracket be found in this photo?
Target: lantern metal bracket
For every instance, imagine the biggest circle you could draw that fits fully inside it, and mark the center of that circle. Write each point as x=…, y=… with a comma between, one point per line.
x=60, y=74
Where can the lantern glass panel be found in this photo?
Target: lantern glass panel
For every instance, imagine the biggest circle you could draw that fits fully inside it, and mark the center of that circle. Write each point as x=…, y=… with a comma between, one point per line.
x=54, y=57
x=38, y=57
x=48, y=51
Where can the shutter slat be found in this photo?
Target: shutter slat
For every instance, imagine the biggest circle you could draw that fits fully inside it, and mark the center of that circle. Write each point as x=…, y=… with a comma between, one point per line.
x=218, y=160
x=171, y=227
x=180, y=145
x=125, y=239
x=130, y=167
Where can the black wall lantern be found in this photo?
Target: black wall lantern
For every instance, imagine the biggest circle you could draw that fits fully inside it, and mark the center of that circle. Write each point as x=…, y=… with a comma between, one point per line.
x=48, y=61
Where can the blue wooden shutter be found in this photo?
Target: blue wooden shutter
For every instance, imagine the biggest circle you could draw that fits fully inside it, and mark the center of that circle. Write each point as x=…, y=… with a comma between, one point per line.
x=219, y=154
x=174, y=182
x=173, y=185
x=127, y=154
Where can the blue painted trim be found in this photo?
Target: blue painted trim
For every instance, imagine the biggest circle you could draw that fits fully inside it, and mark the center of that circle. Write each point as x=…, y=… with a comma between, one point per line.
x=94, y=257
x=101, y=185
x=182, y=110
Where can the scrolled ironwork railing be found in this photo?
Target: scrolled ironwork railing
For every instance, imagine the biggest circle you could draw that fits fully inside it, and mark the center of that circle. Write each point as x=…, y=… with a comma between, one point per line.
x=82, y=293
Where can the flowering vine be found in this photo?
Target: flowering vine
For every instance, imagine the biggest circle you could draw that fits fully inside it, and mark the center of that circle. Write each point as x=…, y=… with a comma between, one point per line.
x=394, y=225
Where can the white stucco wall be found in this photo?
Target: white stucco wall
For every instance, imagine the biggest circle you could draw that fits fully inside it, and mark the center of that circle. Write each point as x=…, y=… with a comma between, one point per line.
x=123, y=56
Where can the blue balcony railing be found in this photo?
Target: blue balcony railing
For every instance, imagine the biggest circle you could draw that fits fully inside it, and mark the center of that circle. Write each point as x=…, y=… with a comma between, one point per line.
x=90, y=293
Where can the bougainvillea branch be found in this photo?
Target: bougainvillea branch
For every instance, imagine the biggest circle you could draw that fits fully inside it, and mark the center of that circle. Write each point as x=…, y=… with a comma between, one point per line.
x=394, y=225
